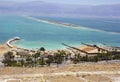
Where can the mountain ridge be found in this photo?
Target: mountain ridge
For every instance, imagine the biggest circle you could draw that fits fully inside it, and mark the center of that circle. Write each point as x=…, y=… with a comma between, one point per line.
x=45, y=8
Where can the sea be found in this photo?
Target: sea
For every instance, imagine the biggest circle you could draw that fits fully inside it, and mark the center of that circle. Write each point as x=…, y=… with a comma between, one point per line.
x=35, y=33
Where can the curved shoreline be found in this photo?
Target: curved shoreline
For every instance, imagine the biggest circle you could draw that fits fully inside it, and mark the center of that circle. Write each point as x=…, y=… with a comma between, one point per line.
x=66, y=24
x=9, y=42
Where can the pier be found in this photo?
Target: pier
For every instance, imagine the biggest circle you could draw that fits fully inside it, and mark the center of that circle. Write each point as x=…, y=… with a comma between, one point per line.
x=9, y=42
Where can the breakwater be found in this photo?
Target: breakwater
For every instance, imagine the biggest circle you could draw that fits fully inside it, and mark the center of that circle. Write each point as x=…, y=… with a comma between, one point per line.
x=9, y=42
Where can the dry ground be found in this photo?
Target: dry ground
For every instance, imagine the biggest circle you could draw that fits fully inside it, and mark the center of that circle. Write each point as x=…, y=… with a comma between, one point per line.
x=61, y=74
x=71, y=73
x=72, y=68
x=3, y=49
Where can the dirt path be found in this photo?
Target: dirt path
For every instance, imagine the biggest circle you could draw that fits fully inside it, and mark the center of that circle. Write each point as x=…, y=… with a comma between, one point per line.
x=5, y=78
x=116, y=79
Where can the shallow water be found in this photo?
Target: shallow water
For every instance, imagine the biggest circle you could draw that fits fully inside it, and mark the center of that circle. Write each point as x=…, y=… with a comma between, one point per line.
x=35, y=34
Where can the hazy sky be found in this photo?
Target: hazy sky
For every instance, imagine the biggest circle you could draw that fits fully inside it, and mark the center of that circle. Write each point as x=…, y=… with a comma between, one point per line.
x=93, y=2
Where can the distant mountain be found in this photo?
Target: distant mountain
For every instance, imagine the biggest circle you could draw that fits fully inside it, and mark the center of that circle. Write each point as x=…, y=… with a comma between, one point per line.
x=100, y=10
x=44, y=8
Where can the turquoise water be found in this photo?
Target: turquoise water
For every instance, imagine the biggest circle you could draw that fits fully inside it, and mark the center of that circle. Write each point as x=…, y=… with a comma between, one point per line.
x=35, y=34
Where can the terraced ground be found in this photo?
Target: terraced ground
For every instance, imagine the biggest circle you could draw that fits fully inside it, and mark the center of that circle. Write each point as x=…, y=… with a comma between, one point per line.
x=84, y=72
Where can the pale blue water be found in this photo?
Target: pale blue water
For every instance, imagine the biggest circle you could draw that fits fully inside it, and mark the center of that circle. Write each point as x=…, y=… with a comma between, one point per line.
x=106, y=24
x=36, y=34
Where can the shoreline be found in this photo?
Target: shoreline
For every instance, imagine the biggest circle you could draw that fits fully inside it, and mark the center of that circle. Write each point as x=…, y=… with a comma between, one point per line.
x=66, y=24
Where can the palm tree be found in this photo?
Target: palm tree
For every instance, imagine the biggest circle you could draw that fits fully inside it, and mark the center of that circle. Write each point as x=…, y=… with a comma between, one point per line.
x=50, y=60
x=58, y=58
x=35, y=56
x=29, y=61
x=8, y=58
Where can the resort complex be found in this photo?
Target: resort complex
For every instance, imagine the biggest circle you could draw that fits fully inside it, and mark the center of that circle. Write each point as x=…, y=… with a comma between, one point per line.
x=86, y=53
x=80, y=63
x=59, y=41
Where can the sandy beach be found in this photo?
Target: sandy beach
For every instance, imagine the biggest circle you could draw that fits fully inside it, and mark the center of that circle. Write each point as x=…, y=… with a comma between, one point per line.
x=3, y=49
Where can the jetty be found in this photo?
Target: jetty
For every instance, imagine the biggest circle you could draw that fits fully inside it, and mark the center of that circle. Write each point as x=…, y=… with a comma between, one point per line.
x=75, y=48
x=9, y=42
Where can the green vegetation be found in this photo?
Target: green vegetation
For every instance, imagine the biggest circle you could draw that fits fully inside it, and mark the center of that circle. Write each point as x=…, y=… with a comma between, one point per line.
x=40, y=59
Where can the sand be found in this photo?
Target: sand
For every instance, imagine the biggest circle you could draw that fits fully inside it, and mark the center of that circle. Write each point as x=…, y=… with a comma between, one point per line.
x=97, y=78
x=53, y=69
x=86, y=72
x=64, y=79
x=3, y=49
